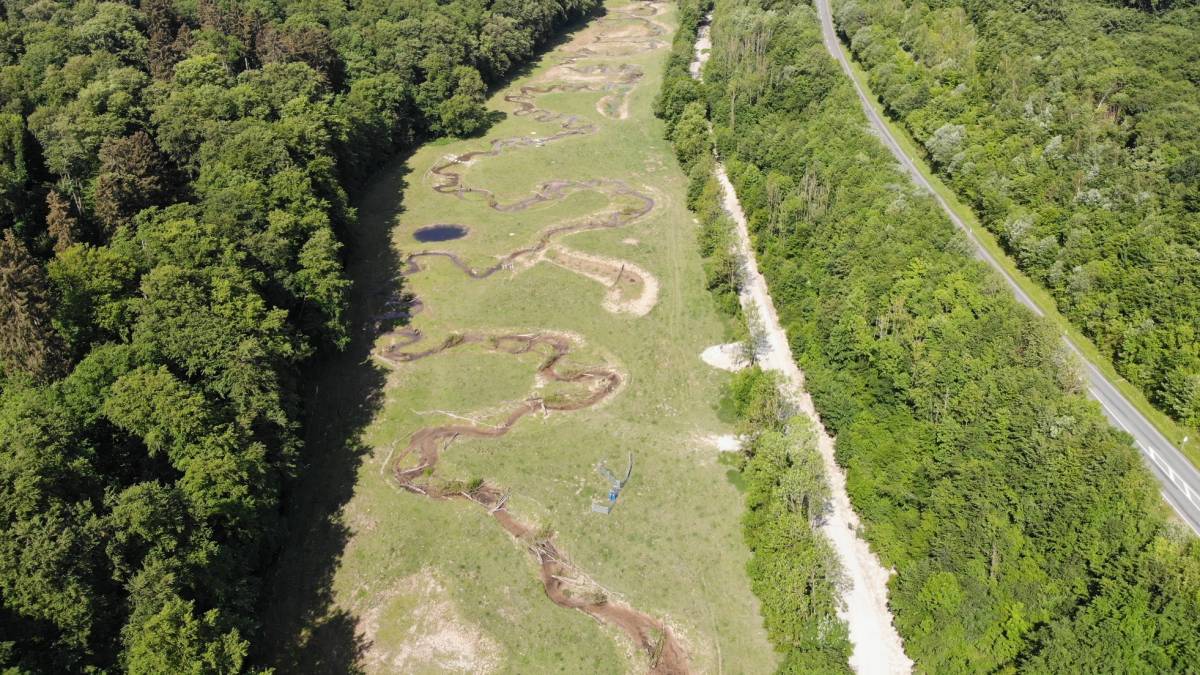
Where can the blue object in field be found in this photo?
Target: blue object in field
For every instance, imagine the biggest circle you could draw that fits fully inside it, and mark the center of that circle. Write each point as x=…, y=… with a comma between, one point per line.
x=612, y=495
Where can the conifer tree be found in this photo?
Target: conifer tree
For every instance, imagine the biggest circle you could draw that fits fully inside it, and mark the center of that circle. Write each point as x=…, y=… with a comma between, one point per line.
x=28, y=343
x=131, y=178
x=61, y=225
x=161, y=23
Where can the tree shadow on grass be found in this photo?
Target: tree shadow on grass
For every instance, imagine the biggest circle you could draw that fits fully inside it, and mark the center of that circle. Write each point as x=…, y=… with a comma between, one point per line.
x=303, y=631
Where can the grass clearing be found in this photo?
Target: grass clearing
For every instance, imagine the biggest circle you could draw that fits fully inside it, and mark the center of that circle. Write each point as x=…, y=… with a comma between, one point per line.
x=672, y=548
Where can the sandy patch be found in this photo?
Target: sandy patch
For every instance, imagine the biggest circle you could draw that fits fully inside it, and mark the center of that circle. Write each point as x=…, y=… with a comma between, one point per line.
x=624, y=109
x=630, y=241
x=719, y=442
x=438, y=637
x=361, y=522
x=614, y=105
x=706, y=449
x=731, y=357
x=631, y=289
x=726, y=442
x=877, y=647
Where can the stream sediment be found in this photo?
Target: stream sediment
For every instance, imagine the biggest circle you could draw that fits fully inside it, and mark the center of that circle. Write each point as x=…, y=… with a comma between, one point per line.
x=415, y=468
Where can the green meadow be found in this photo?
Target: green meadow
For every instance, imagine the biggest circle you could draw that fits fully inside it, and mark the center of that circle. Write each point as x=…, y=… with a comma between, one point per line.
x=410, y=584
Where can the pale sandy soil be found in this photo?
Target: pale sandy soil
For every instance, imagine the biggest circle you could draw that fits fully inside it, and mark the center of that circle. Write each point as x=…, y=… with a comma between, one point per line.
x=877, y=646
x=439, y=639
x=726, y=442
x=619, y=277
x=731, y=357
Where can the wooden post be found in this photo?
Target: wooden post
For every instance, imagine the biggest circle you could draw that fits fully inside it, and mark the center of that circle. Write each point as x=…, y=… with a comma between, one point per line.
x=619, y=274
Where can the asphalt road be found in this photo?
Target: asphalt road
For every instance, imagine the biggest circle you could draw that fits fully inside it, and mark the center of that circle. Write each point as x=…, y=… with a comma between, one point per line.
x=1179, y=478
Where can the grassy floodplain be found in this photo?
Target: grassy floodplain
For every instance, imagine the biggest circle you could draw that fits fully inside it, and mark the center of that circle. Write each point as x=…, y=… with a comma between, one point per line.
x=400, y=582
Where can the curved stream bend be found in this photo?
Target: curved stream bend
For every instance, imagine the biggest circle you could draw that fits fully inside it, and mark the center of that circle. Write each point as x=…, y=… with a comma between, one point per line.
x=563, y=582
x=617, y=80
x=415, y=469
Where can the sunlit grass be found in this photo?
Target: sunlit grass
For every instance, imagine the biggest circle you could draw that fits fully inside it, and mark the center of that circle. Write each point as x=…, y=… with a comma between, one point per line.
x=673, y=546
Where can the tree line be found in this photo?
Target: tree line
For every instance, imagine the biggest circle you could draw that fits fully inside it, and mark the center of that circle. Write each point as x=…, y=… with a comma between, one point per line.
x=173, y=188
x=1025, y=532
x=1073, y=130
x=793, y=569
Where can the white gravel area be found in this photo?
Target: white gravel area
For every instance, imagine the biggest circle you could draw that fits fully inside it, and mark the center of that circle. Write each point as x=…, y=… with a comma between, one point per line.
x=731, y=357
x=877, y=646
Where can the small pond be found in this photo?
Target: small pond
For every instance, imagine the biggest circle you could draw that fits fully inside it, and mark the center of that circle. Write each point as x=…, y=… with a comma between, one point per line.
x=440, y=233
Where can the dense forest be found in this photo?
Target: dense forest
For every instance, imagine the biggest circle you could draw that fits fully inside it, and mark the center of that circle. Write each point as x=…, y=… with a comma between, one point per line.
x=1025, y=532
x=173, y=187
x=1073, y=130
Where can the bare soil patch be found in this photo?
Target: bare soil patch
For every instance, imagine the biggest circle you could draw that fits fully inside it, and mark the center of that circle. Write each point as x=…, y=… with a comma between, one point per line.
x=731, y=357
x=630, y=289
x=439, y=637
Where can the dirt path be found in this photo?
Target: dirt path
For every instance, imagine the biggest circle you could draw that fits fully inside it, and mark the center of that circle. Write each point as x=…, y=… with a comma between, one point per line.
x=630, y=289
x=877, y=646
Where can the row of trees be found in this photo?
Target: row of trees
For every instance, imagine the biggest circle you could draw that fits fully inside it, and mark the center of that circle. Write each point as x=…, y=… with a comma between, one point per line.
x=793, y=570
x=1073, y=130
x=173, y=182
x=1025, y=532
